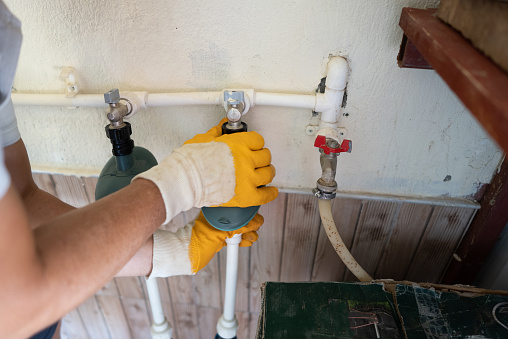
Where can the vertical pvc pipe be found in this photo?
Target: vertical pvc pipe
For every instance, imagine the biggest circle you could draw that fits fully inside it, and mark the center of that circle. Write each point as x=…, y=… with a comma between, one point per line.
x=335, y=86
x=227, y=325
x=231, y=281
x=161, y=329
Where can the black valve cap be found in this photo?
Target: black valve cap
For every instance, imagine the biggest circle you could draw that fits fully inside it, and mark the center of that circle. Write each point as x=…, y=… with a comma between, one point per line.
x=120, y=139
x=226, y=130
x=119, y=133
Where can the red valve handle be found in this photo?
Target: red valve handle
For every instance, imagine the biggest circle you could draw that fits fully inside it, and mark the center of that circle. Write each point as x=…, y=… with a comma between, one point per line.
x=344, y=147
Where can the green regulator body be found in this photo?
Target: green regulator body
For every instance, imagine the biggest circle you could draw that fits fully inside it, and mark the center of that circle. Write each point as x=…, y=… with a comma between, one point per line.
x=230, y=218
x=127, y=162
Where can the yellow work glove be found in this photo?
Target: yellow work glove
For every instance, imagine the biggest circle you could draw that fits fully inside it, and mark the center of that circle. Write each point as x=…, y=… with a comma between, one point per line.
x=251, y=162
x=191, y=247
x=214, y=132
x=215, y=170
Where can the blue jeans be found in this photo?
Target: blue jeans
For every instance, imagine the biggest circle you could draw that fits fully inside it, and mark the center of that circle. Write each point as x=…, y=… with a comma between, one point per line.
x=46, y=333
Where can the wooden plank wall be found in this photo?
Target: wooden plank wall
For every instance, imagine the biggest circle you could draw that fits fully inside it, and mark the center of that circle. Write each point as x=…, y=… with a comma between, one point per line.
x=390, y=239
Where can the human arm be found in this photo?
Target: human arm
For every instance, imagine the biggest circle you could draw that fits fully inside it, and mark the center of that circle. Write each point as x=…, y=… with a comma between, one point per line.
x=40, y=206
x=50, y=271
x=187, y=250
x=68, y=258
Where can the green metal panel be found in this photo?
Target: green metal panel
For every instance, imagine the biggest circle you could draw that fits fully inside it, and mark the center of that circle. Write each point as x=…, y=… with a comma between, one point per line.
x=358, y=310
x=427, y=313
x=327, y=310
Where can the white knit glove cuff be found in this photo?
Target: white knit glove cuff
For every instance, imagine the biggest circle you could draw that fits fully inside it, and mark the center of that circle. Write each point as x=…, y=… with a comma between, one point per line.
x=212, y=166
x=194, y=175
x=171, y=253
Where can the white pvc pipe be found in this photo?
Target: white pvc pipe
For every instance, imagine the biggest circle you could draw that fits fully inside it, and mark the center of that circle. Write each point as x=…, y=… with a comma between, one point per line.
x=285, y=100
x=325, y=211
x=327, y=103
x=335, y=86
x=184, y=99
x=147, y=99
x=80, y=100
x=336, y=75
x=231, y=279
x=227, y=325
x=161, y=328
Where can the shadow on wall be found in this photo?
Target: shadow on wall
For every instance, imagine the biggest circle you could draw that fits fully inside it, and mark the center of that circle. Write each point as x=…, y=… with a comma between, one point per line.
x=494, y=274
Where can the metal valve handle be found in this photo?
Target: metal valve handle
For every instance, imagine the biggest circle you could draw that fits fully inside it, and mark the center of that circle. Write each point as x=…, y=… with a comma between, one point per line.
x=112, y=96
x=320, y=142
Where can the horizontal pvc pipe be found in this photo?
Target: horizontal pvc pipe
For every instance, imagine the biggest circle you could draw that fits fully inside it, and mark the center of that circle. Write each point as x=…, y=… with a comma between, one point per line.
x=80, y=100
x=328, y=103
x=168, y=99
x=184, y=99
x=285, y=100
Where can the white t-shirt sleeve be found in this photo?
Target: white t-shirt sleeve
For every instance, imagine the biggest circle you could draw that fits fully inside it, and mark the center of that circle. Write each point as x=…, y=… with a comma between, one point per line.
x=9, y=132
x=5, y=179
x=10, y=43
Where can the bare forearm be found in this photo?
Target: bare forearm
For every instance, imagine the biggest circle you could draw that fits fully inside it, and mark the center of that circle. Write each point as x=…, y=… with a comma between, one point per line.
x=81, y=250
x=141, y=263
x=40, y=206
x=101, y=237
x=43, y=207
x=70, y=257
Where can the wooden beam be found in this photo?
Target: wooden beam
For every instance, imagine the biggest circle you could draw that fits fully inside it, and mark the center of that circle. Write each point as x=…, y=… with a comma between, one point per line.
x=410, y=57
x=483, y=233
x=483, y=22
x=477, y=81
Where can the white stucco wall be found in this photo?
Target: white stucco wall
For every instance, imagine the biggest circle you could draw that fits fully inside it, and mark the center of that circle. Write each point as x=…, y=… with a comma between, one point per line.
x=408, y=129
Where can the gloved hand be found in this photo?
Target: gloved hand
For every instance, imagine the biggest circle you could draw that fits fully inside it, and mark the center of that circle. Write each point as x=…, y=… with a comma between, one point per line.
x=213, y=169
x=191, y=247
x=210, y=135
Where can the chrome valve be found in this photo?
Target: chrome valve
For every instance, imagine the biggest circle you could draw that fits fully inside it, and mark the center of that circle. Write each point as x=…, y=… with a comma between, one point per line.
x=116, y=111
x=234, y=103
x=329, y=149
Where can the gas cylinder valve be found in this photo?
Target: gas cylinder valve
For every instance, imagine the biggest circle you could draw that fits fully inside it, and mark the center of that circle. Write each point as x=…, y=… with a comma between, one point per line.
x=116, y=111
x=234, y=104
x=329, y=149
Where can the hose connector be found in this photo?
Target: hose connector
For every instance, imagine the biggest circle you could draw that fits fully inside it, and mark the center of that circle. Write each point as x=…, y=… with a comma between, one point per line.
x=326, y=186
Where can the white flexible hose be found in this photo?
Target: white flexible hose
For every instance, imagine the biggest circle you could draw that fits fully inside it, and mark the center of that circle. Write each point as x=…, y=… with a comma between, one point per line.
x=325, y=210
